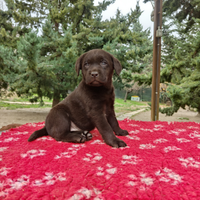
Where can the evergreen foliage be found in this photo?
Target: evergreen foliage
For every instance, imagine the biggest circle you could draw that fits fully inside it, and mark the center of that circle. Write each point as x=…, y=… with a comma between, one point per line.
x=180, y=54
x=48, y=36
x=8, y=67
x=130, y=44
x=181, y=10
x=9, y=35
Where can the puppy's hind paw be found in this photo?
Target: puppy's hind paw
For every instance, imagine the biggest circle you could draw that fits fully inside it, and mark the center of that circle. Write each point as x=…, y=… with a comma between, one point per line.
x=87, y=135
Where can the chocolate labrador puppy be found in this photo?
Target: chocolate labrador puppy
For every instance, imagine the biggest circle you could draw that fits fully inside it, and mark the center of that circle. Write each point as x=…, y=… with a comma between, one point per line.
x=90, y=105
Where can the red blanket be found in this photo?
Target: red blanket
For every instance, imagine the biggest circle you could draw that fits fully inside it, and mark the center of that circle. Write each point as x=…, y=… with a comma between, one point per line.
x=162, y=161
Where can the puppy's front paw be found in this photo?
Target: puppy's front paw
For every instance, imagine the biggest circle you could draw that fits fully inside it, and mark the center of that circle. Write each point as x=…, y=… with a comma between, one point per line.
x=117, y=143
x=122, y=132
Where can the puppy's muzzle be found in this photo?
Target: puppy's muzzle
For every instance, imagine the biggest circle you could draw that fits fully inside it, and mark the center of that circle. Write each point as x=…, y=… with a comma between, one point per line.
x=94, y=74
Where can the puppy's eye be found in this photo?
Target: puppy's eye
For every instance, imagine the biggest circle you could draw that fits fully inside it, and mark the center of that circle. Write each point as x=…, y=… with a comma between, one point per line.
x=103, y=63
x=86, y=64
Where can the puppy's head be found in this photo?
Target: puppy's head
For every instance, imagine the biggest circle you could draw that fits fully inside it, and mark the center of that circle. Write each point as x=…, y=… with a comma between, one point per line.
x=97, y=67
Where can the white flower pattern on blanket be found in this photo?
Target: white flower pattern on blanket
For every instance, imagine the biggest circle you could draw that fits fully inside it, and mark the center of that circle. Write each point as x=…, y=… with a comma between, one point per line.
x=106, y=171
x=92, y=158
x=10, y=139
x=13, y=184
x=160, y=161
x=3, y=148
x=17, y=184
x=4, y=171
x=71, y=151
x=167, y=175
x=33, y=153
x=143, y=181
x=49, y=179
x=189, y=162
x=130, y=159
x=85, y=193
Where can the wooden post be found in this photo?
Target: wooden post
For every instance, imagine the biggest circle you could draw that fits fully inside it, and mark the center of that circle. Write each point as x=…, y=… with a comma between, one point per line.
x=156, y=60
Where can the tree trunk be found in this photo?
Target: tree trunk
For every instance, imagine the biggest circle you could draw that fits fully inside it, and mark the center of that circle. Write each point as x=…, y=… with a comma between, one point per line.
x=55, y=101
x=56, y=97
x=198, y=110
x=126, y=96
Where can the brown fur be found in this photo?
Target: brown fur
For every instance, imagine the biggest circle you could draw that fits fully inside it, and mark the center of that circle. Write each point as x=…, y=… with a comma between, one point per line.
x=90, y=105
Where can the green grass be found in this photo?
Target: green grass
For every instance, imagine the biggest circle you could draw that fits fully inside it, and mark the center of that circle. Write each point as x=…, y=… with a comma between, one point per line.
x=183, y=118
x=24, y=100
x=128, y=106
x=13, y=106
x=129, y=102
x=120, y=106
x=22, y=103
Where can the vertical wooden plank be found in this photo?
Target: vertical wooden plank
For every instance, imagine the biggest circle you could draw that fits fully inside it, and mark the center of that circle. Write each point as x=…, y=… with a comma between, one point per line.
x=156, y=61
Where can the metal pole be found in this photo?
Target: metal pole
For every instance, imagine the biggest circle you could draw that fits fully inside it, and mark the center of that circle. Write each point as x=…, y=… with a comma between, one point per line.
x=156, y=60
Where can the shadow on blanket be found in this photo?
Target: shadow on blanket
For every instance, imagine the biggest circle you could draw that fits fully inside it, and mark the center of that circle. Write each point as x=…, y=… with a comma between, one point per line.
x=9, y=126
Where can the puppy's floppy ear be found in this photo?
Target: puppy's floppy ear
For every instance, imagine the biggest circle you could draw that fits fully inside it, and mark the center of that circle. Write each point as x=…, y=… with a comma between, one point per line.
x=78, y=64
x=117, y=65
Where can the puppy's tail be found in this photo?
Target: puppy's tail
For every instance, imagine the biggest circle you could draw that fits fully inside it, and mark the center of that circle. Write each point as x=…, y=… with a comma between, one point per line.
x=37, y=134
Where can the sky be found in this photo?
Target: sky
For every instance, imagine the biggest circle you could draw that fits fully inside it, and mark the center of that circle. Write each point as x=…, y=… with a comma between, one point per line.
x=125, y=5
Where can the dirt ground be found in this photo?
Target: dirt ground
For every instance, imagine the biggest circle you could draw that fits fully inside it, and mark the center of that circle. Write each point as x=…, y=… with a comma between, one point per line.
x=29, y=115
x=181, y=116
x=22, y=116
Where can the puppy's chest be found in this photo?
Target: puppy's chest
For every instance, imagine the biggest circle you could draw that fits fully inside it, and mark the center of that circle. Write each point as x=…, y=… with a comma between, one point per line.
x=99, y=106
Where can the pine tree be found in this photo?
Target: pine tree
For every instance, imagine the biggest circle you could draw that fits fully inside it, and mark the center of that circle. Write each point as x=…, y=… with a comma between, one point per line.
x=181, y=54
x=59, y=53
x=62, y=30
x=10, y=32
x=184, y=70
x=130, y=44
x=28, y=13
x=43, y=75
x=68, y=29
x=79, y=20
x=9, y=64
x=8, y=39
x=181, y=10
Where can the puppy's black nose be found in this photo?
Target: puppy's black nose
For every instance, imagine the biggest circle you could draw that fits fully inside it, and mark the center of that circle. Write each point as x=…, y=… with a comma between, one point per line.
x=94, y=74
